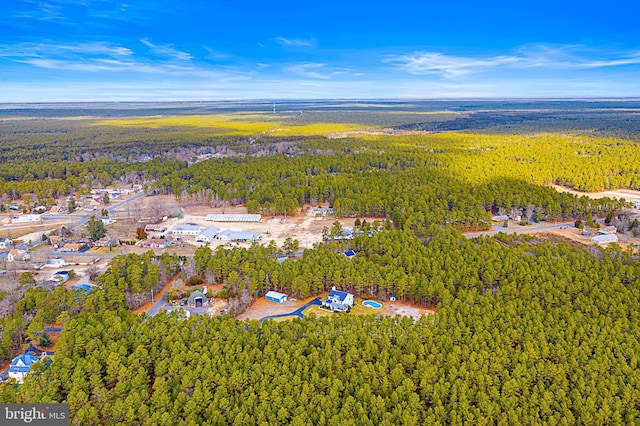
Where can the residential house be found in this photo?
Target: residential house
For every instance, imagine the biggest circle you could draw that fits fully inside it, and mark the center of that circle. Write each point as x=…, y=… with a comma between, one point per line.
x=74, y=247
x=57, y=210
x=56, y=241
x=5, y=243
x=106, y=242
x=155, y=228
x=21, y=365
x=61, y=277
x=338, y=301
x=18, y=255
x=154, y=243
x=106, y=220
x=83, y=287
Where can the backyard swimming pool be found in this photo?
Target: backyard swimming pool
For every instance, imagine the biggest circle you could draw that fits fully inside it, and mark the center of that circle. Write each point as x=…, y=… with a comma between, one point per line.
x=372, y=304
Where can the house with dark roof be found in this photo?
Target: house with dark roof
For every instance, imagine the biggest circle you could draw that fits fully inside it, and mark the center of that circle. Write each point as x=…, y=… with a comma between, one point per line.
x=338, y=301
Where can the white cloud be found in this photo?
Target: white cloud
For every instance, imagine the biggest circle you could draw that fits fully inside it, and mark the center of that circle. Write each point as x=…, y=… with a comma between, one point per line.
x=166, y=50
x=533, y=56
x=63, y=50
x=314, y=70
x=296, y=42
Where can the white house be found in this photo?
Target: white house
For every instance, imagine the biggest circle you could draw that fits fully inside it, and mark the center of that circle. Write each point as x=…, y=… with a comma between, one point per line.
x=26, y=218
x=187, y=229
x=106, y=220
x=21, y=365
x=18, y=255
x=5, y=243
x=338, y=301
x=208, y=234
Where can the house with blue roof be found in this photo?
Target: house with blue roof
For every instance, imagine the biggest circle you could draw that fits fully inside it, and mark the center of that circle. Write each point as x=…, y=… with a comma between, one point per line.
x=338, y=301
x=21, y=365
x=83, y=287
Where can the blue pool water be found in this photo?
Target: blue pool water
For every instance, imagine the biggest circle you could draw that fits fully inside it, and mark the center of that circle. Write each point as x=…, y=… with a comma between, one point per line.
x=372, y=304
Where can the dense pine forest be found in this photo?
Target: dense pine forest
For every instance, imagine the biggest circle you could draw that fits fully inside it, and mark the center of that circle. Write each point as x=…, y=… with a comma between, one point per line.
x=527, y=332
x=528, y=329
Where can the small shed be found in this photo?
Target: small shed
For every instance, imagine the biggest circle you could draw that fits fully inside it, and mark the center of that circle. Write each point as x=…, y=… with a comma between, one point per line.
x=274, y=296
x=197, y=299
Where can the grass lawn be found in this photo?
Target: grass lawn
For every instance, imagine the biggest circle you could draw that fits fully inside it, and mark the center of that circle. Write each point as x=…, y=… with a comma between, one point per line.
x=317, y=311
x=358, y=309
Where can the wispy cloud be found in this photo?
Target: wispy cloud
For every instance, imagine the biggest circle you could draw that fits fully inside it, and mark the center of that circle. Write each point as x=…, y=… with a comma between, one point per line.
x=166, y=50
x=52, y=50
x=111, y=58
x=296, y=42
x=534, y=56
x=314, y=70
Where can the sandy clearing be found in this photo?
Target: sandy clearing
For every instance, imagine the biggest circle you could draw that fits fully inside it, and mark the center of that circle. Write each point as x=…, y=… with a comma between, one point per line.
x=304, y=227
x=261, y=308
x=626, y=194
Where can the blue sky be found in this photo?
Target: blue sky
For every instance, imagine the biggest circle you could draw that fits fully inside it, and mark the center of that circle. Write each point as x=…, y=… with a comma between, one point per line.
x=161, y=50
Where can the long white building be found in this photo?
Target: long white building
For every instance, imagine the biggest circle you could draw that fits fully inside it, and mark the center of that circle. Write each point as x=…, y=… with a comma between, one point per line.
x=26, y=218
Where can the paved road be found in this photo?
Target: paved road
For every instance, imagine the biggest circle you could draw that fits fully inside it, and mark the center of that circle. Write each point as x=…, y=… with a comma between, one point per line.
x=297, y=312
x=62, y=254
x=159, y=304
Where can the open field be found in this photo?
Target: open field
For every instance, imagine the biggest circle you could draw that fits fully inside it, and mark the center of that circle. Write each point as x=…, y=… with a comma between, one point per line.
x=304, y=227
x=626, y=194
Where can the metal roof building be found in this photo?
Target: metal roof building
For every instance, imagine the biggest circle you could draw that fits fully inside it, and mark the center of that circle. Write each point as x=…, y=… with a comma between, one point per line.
x=208, y=234
x=274, y=296
x=603, y=239
x=234, y=217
